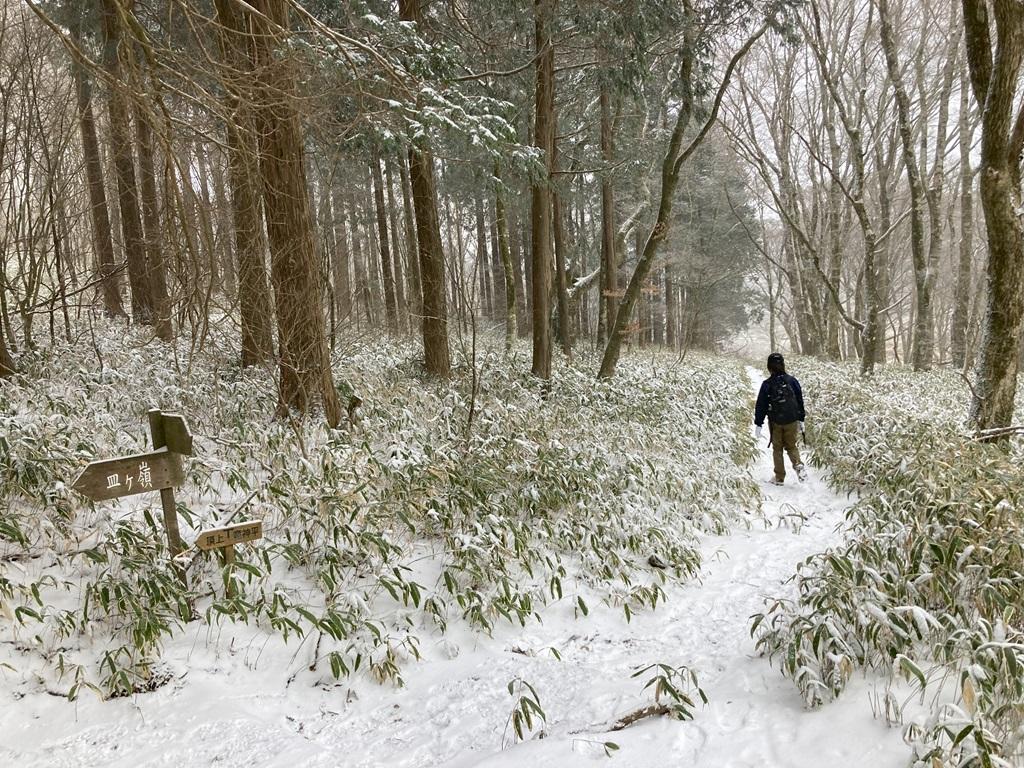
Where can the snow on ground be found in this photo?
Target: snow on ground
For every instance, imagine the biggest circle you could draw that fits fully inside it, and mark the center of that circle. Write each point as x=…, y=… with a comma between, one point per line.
x=231, y=703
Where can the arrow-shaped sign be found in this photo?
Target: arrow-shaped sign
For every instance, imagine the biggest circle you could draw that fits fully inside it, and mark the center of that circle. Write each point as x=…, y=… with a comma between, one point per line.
x=128, y=475
x=229, y=535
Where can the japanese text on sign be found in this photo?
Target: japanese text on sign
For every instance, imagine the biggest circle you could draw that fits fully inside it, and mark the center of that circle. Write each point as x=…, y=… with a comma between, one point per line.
x=144, y=478
x=128, y=475
x=215, y=538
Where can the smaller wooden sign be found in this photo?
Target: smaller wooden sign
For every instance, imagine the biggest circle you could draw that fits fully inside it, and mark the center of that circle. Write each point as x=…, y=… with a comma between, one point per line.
x=129, y=475
x=230, y=535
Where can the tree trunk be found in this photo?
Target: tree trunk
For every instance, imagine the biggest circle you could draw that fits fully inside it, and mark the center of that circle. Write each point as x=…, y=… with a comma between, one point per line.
x=342, y=259
x=204, y=208
x=482, y=259
x=497, y=268
x=99, y=214
x=962, y=291
x=924, y=276
x=669, y=180
x=156, y=275
x=796, y=272
x=540, y=214
x=305, y=372
x=937, y=173
x=7, y=367
x=400, y=269
x=328, y=258
x=835, y=234
x=415, y=290
x=457, y=273
x=124, y=167
x=609, y=260
x=516, y=250
x=375, y=289
x=561, y=289
x=224, y=251
x=254, y=302
x=671, y=310
x=512, y=299
x=360, y=275
x=802, y=338
x=6, y=361
x=852, y=122
x=880, y=286
x=675, y=157
x=437, y=357
x=995, y=73
x=974, y=328
x=383, y=246
x=58, y=236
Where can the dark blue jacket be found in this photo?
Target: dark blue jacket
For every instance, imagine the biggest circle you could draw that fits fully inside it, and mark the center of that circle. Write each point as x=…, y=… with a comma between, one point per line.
x=761, y=409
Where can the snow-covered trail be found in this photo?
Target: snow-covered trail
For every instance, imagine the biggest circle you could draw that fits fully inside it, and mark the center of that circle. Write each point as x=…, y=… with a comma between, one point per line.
x=230, y=705
x=754, y=716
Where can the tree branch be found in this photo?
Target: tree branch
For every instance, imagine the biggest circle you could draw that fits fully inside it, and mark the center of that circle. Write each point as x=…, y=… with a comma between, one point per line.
x=717, y=104
x=655, y=710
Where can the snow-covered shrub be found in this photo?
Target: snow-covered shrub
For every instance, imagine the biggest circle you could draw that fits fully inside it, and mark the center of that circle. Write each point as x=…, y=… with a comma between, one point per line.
x=526, y=710
x=675, y=689
x=441, y=503
x=930, y=578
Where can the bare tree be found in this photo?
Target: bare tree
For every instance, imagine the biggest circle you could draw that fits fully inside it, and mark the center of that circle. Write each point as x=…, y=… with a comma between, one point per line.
x=995, y=68
x=675, y=156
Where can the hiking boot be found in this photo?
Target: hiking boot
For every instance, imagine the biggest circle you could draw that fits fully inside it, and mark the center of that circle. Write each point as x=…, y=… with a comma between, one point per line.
x=801, y=472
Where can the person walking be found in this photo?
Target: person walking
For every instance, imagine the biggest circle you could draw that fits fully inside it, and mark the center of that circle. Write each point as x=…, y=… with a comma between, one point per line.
x=782, y=401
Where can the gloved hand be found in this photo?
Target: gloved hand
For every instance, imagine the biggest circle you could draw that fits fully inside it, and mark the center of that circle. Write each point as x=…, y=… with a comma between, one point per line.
x=757, y=433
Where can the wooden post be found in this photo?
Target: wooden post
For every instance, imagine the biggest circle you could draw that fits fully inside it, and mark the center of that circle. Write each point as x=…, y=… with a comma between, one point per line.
x=159, y=470
x=156, y=430
x=229, y=562
x=224, y=539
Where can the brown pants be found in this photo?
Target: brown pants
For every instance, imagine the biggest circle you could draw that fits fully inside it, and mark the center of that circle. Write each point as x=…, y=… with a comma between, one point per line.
x=784, y=436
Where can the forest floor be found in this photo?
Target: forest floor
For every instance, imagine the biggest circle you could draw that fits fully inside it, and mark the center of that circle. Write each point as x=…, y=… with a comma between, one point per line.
x=234, y=706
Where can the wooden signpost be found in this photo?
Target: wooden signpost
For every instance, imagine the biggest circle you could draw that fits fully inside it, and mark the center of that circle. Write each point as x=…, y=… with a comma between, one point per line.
x=159, y=470
x=158, y=423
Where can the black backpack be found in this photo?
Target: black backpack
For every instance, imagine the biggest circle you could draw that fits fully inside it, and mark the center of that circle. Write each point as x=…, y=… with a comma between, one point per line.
x=782, y=404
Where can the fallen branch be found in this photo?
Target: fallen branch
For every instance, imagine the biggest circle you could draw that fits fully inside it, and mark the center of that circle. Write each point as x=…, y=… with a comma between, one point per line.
x=985, y=435
x=655, y=710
